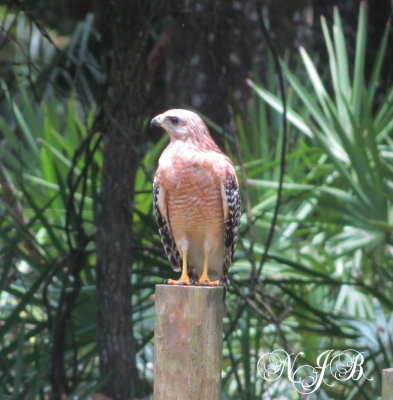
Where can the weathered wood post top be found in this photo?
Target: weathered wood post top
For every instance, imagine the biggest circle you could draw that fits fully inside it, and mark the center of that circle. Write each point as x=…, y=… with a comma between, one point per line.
x=188, y=342
x=387, y=384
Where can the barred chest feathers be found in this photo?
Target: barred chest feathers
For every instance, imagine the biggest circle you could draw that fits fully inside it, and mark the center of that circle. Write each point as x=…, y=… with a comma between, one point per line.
x=194, y=201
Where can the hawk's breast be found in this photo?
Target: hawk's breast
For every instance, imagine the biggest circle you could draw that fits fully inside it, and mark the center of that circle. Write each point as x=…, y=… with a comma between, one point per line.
x=194, y=203
x=193, y=195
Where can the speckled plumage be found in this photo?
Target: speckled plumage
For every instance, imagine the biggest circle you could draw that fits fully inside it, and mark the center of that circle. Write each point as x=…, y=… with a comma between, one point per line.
x=196, y=197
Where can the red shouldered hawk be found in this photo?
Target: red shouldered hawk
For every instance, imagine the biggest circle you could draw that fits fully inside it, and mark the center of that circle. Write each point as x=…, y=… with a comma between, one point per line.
x=196, y=201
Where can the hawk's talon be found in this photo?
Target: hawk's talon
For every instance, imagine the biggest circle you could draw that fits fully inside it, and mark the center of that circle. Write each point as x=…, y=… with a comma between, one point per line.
x=207, y=282
x=184, y=278
x=204, y=278
x=179, y=282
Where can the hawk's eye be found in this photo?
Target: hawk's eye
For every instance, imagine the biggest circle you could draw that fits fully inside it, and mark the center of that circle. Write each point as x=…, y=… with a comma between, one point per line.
x=174, y=120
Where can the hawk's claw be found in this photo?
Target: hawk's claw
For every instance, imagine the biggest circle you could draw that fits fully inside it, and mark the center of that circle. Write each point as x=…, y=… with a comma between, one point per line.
x=208, y=282
x=179, y=282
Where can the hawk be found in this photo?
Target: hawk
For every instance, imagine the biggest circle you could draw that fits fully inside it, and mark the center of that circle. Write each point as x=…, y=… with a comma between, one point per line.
x=196, y=201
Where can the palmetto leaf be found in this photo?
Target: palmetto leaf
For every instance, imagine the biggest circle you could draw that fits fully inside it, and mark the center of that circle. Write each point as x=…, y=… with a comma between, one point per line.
x=344, y=215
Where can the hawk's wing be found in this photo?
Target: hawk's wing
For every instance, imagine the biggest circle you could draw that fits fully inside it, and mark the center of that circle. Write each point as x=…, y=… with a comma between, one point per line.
x=231, y=206
x=164, y=227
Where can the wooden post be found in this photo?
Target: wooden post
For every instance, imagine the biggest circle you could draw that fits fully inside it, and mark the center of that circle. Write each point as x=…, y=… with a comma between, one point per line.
x=387, y=384
x=188, y=342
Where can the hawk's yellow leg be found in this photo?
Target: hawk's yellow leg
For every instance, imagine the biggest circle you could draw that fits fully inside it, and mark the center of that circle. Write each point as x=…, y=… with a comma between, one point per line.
x=184, y=278
x=204, y=278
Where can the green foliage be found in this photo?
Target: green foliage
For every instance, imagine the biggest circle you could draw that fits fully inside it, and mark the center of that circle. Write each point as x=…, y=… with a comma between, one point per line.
x=336, y=220
x=43, y=207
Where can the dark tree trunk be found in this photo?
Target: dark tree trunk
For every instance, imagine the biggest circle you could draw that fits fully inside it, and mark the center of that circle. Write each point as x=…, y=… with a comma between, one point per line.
x=123, y=24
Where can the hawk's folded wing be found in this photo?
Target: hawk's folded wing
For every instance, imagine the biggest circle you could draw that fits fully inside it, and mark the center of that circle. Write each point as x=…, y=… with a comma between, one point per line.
x=164, y=227
x=231, y=207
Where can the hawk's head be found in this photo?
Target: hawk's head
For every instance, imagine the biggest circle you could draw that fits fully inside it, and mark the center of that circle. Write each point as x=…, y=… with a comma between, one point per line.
x=182, y=125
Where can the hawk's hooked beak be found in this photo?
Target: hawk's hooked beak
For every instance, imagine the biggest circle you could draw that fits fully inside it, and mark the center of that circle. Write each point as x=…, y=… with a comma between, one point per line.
x=156, y=121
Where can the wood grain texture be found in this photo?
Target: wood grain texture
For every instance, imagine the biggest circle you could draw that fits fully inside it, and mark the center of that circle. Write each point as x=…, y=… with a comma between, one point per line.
x=387, y=384
x=188, y=343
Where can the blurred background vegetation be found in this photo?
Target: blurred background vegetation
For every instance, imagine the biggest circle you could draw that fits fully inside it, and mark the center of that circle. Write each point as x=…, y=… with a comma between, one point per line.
x=327, y=280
